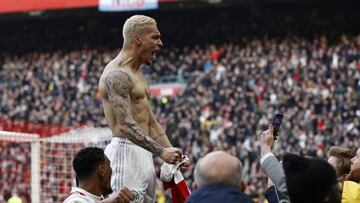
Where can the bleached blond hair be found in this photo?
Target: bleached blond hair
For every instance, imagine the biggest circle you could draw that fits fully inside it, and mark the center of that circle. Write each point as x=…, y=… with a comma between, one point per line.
x=136, y=24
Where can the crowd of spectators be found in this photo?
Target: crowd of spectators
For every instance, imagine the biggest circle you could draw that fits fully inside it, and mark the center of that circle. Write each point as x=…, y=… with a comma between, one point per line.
x=15, y=170
x=315, y=84
x=238, y=75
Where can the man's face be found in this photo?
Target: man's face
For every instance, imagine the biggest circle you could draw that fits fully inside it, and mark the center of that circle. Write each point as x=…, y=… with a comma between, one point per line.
x=105, y=177
x=150, y=44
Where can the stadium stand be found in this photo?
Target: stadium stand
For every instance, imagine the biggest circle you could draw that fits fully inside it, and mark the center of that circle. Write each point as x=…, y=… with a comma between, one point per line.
x=240, y=70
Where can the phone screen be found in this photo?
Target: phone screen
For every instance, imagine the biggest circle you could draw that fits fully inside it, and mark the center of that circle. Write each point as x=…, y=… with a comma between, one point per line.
x=276, y=124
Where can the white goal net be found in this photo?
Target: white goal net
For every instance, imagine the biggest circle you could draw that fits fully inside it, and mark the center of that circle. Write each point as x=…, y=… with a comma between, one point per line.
x=40, y=169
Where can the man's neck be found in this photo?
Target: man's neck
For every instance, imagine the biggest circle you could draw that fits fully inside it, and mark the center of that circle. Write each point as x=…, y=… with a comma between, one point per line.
x=128, y=57
x=91, y=188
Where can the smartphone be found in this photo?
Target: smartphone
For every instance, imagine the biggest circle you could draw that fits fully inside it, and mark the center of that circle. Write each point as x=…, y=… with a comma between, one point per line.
x=276, y=124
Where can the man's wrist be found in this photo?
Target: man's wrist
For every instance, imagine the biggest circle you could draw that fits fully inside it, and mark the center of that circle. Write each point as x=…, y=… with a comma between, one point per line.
x=160, y=151
x=265, y=150
x=265, y=156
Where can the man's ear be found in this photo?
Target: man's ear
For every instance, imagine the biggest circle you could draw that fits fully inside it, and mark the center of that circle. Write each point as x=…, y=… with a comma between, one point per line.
x=242, y=186
x=137, y=40
x=194, y=186
x=102, y=170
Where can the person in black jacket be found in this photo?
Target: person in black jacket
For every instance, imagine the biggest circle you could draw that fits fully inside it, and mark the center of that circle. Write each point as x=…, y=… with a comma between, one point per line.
x=218, y=178
x=310, y=180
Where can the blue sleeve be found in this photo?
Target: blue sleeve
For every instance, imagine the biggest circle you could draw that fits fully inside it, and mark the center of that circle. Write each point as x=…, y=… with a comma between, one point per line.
x=274, y=196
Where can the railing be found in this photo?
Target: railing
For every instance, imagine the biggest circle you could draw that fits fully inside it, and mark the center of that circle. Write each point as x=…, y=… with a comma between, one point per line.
x=44, y=130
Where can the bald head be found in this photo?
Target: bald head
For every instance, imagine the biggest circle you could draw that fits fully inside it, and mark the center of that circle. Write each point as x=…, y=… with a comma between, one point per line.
x=218, y=168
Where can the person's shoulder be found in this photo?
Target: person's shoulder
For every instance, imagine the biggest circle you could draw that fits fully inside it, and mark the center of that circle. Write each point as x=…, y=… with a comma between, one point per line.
x=232, y=194
x=210, y=194
x=351, y=192
x=247, y=199
x=214, y=190
x=118, y=77
x=74, y=198
x=114, y=69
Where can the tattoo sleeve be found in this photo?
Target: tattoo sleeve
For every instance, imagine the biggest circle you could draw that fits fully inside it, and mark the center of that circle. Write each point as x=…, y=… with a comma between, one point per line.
x=118, y=85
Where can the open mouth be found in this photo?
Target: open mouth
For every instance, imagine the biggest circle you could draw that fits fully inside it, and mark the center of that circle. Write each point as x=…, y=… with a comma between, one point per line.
x=153, y=54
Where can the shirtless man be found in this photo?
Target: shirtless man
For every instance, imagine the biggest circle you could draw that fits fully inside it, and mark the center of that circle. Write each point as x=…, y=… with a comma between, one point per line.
x=137, y=135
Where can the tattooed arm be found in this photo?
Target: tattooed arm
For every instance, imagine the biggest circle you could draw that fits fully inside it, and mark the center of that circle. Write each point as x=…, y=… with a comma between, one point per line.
x=158, y=134
x=118, y=85
x=156, y=131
